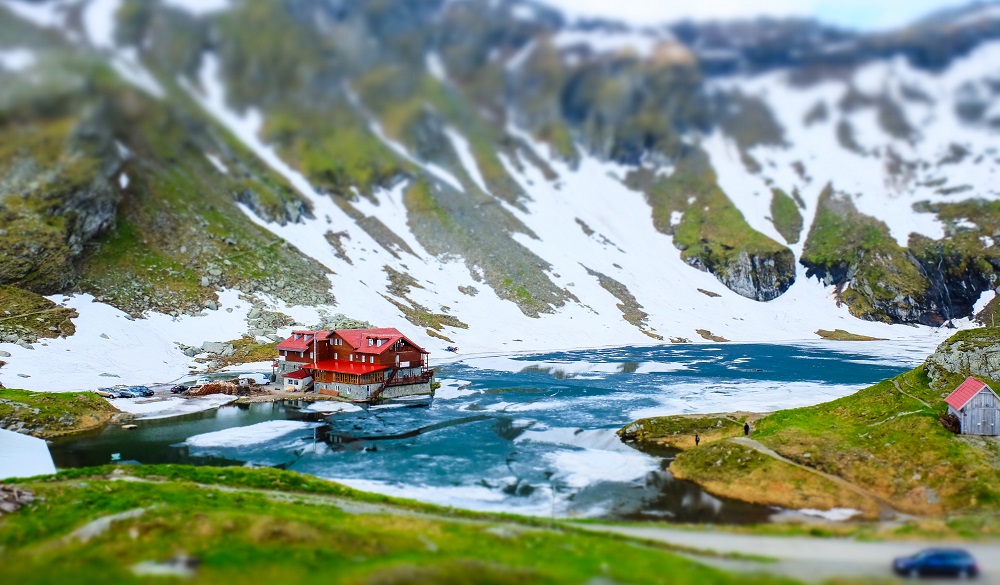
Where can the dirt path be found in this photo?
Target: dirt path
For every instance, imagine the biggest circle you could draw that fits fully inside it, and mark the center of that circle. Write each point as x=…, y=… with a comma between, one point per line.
x=905, y=393
x=886, y=511
x=808, y=559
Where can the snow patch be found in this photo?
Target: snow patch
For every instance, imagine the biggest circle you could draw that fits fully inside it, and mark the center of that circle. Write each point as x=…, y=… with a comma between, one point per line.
x=199, y=7
x=257, y=434
x=109, y=345
x=331, y=406
x=17, y=60
x=217, y=163
x=580, y=469
x=23, y=456
x=99, y=18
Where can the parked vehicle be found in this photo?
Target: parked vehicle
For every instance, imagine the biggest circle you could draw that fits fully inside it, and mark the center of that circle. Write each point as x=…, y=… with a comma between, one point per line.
x=106, y=392
x=178, y=389
x=124, y=393
x=140, y=391
x=937, y=562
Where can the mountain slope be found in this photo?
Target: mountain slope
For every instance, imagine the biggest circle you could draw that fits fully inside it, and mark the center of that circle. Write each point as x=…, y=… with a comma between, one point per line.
x=493, y=172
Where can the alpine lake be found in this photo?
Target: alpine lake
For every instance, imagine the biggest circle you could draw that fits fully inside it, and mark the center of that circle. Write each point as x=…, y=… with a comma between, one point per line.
x=529, y=434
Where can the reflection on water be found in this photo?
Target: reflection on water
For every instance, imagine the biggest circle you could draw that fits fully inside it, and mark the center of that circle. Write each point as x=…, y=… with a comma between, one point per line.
x=533, y=435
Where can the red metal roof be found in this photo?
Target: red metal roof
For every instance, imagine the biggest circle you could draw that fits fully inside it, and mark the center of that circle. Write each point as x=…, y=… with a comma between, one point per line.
x=346, y=367
x=358, y=339
x=298, y=375
x=964, y=393
x=292, y=344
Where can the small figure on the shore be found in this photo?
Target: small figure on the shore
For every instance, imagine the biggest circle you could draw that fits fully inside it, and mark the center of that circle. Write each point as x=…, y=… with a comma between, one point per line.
x=697, y=439
x=746, y=429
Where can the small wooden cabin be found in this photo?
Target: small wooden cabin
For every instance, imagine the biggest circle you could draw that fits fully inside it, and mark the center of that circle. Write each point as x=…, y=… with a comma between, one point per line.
x=977, y=407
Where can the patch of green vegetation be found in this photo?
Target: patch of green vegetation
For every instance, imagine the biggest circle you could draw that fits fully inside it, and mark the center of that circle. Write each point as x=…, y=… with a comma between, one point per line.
x=711, y=233
x=29, y=316
x=53, y=414
x=841, y=335
x=843, y=241
x=274, y=527
x=785, y=216
x=886, y=439
x=420, y=201
x=334, y=148
x=46, y=174
x=484, y=139
x=678, y=431
x=179, y=224
x=736, y=471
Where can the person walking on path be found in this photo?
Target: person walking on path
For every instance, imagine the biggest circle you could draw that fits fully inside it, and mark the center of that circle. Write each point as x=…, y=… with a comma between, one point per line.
x=697, y=439
x=746, y=429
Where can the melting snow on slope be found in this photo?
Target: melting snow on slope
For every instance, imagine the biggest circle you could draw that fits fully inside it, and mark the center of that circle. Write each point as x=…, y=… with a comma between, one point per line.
x=109, y=347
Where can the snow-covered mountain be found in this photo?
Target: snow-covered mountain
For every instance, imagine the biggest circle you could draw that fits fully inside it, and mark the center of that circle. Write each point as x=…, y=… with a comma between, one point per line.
x=488, y=174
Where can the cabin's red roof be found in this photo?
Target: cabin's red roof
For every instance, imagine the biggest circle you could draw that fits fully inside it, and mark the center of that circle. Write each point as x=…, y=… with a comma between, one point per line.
x=298, y=375
x=964, y=393
x=292, y=344
x=346, y=367
x=358, y=339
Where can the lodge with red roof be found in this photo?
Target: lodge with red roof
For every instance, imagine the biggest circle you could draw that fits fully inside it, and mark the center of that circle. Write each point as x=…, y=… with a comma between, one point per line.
x=362, y=365
x=977, y=407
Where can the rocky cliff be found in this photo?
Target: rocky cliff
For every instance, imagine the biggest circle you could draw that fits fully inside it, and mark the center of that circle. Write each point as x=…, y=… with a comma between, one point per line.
x=967, y=353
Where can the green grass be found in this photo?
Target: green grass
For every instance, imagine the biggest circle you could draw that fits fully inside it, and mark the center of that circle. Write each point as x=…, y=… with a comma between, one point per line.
x=884, y=439
x=179, y=220
x=736, y=471
x=785, y=216
x=890, y=443
x=711, y=233
x=51, y=414
x=678, y=431
x=842, y=240
x=294, y=533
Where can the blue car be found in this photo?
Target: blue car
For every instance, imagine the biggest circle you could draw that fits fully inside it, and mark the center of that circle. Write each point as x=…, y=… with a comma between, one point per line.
x=937, y=562
x=140, y=391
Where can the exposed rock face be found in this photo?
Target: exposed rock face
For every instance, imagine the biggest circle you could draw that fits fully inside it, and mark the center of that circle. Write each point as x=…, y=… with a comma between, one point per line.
x=760, y=277
x=55, y=201
x=971, y=353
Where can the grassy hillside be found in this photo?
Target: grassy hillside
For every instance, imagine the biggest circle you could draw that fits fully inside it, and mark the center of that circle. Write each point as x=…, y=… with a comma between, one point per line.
x=886, y=440
x=270, y=526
